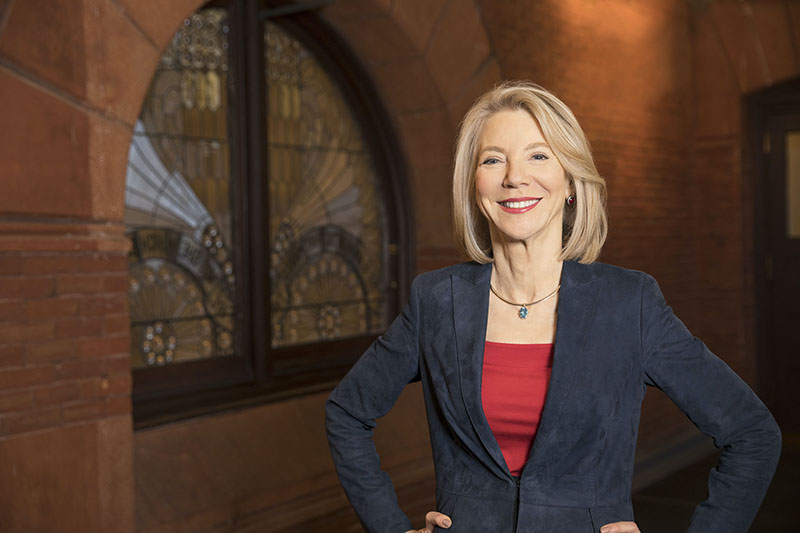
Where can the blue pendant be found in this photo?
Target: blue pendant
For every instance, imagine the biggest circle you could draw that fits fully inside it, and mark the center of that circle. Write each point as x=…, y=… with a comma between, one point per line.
x=523, y=312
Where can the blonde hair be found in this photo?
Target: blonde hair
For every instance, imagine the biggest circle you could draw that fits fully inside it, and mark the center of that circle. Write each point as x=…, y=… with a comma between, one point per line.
x=585, y=223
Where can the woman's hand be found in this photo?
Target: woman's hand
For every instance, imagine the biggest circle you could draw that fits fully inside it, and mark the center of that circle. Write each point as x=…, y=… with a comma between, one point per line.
x=433, y=519
x=620, y=527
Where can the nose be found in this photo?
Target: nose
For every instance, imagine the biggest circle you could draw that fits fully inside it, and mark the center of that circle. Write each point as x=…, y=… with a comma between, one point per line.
x=516, y=176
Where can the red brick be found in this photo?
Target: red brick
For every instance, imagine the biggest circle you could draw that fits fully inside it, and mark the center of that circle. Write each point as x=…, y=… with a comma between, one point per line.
x=418, y=18
x=103, y=346
x=96, y=387
x=88, y=410
x=80, y=284
x=162, y=19
x=14, y=333
x=113, y=44
x=793, y=19
x=406, y=85
x=50, y=351
x=44, y=164
x=37, y=264
x=447, y=43
x=116, y=325
x=51, y=308
x=59, y=241
x=376, y=39
x=774, y=31
x=47, y=37
x=431, y=183
x=104, y=305
x=12, y=355
x=27, y=287
x=15, y=401
x=10, y=311
x=56, y=394
x=736, y=31
x=109, y=142
x=481, y=81
x=30, y=421
x=81, y=368
x=12, y=378
x=10, y=265
x=42, y=264
x=118, y=364
x=119, y=384
x=427, y=135
x=78, y=327
x=358, y=9
x=119, y=405
x=118, y=283
x=95, y=263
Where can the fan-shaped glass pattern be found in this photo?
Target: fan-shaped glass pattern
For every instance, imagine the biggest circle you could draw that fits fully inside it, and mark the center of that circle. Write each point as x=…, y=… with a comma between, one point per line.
x=327, y=221
x=327, y=232
x=177, y=203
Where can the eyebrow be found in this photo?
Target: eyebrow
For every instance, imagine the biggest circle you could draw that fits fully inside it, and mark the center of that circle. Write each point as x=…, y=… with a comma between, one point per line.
x=529, y=147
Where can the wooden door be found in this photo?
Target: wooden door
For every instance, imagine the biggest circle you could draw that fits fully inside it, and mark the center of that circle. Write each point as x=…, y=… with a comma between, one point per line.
x=780, y=232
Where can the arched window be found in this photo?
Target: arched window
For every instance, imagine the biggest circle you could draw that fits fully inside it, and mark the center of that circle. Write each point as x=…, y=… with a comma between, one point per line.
x=263, y=201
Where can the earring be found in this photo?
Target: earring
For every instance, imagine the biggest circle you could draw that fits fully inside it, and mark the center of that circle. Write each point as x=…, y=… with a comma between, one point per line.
x=571, y=200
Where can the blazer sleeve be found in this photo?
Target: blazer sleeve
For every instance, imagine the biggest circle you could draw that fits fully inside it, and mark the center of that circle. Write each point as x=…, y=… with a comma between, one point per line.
x=367, y=392
x=721, y=405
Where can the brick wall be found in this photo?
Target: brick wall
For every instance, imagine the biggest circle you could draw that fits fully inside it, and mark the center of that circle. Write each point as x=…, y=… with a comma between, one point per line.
x=657, y=86
x=65, y=331
x=67, y=105
x=65, y=431
x=738, y=48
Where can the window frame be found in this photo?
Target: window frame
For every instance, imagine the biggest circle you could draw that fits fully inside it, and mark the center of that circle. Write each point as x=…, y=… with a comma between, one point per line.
x=264, y=374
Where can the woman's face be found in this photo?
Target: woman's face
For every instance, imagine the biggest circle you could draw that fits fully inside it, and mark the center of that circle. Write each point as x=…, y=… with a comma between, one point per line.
x=520, y=186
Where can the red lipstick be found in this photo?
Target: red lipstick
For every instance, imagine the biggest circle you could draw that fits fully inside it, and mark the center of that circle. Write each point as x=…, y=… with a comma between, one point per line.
x=518, y=205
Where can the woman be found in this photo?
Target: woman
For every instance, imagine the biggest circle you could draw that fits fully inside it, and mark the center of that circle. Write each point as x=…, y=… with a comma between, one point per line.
x=481, y=336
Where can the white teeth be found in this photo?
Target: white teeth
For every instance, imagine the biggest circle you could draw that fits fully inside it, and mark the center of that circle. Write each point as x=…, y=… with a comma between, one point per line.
x=518, y=205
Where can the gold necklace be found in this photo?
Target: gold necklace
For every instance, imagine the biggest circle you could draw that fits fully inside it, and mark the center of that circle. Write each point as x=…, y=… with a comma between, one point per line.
x=523, y=307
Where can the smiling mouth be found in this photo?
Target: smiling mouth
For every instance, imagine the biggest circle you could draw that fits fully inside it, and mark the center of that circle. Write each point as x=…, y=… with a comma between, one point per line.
x=519, y=204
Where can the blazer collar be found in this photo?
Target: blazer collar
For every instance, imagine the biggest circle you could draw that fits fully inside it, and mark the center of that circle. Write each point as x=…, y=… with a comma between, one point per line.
x=576, y=304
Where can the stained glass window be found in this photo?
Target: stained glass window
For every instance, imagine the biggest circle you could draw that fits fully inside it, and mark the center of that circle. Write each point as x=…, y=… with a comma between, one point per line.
x=263, y=268
x=177, y=207
x=327, y=226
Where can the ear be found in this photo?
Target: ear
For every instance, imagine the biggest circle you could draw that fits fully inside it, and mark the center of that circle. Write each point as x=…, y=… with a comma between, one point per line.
x=570, y=186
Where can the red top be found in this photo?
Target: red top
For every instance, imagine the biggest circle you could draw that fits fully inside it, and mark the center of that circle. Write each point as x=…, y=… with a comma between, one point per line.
x=513, y=388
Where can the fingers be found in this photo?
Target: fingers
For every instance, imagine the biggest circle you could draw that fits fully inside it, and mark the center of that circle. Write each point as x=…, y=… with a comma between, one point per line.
x=620, y=527
x=433, y=519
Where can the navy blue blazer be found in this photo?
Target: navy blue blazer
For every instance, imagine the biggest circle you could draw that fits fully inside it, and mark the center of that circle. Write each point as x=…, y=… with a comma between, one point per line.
x=614, y=335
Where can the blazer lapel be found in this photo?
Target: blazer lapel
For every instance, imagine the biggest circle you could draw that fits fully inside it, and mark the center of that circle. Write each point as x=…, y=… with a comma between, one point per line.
x=576, y=307
x=470, y=314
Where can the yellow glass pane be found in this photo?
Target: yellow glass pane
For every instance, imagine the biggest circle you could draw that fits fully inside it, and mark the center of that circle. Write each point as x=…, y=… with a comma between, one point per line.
x=793, y=184
x=177, y=203
x=327, y=230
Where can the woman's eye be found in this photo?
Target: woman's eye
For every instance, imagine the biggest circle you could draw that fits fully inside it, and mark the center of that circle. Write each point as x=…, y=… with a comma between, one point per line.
x=539, y=157
x=490, y=161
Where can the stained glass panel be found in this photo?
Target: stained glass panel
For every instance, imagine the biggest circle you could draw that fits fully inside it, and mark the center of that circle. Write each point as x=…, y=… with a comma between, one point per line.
x=327, y=221
x=793, y=184
x=177, y=203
